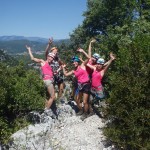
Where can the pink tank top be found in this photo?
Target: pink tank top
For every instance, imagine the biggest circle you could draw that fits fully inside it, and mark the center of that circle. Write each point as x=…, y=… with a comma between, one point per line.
x=96, y=80
x=47, y=72
x=89, y=70
x=81, y=75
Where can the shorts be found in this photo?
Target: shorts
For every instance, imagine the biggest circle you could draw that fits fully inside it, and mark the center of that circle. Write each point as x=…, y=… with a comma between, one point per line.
x=48, y=83
x=97, y=94
x=58, y=79
x=76, y=91
x=84, y=87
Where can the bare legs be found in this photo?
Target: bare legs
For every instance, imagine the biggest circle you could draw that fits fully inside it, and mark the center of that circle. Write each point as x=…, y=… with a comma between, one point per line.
x=85, y=101
x=61, y=89
x=51, y=92
x=78, y=100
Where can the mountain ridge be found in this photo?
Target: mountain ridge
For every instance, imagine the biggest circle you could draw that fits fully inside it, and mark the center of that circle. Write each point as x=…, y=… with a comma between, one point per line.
x=37, y=39
x=16, y=44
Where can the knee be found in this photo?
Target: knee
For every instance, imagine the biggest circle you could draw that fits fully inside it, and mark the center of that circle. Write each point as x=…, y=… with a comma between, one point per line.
x=61, y=90
x=84, y=103
x=77, y=100
x=53, y=96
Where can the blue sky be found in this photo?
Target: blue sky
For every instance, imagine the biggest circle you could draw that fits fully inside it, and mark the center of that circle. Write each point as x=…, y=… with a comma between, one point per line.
x=41, y=18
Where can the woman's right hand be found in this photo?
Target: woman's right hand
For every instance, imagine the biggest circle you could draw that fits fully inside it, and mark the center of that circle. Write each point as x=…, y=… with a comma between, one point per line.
x=50, y=41
x=28, y=47
x=93, y=40
x=63, y=65
x=80, y=50
x=112, y=56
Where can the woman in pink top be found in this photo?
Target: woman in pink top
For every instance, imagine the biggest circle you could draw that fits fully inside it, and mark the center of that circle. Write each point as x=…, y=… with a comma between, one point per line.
x=47, y=75
x=56, y=66
x=93, y=58
x=98, y=72
x=83, y=81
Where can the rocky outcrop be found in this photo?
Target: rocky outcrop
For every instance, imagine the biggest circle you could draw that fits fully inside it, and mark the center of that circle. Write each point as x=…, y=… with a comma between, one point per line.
x=63, y=132
x=61, y=129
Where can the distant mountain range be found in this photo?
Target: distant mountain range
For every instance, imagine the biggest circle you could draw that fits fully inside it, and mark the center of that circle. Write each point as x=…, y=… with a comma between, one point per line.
x=14, y=37
x=16, y=44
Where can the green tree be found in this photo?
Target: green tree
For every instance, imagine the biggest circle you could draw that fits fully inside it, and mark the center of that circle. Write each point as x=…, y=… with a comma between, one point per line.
x=21, y=91
x=128, y=104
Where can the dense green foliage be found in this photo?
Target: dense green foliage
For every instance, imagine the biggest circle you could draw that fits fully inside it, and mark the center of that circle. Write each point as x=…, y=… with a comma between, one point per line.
x=5, y=58
x=21, y=91
x=124, y=28
x=129, y=96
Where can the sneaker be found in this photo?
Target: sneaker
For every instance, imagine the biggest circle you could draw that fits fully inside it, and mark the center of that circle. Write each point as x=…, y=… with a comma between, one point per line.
x=47, y=111
x=80, y=112
x=84, y=116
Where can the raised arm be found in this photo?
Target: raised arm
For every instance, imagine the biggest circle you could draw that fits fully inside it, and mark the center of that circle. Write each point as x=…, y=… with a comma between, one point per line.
x=32, y=57
x=80, y=57
x=91, y=66
x=82, y=51
x=48, y=47
x=65, y=72
x=108, y=63
x=90, y=47
x=84, y=63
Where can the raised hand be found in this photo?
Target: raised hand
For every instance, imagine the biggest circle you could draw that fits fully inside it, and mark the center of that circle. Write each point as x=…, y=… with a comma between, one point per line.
x=80, y=50
x=112, y=56
x=28, y=47
x=63, y=66
x=93, y=40
x=50, y=40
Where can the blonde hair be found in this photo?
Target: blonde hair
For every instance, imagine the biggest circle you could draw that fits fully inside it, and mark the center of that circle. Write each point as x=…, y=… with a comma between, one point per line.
x=53, y=48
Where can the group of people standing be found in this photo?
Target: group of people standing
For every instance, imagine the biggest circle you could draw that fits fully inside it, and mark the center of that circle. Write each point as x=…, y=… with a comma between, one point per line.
x=88, y=75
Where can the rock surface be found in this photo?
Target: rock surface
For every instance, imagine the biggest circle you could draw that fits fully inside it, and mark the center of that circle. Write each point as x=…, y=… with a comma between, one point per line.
x=64, y=131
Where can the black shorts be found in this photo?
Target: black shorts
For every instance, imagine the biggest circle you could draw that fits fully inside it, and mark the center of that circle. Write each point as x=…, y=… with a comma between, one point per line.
x=58, y=79
x=84, y=87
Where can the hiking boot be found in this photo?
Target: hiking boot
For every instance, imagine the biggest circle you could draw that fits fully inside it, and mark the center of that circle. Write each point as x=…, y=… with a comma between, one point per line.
x=80, y=113
x=84, y=116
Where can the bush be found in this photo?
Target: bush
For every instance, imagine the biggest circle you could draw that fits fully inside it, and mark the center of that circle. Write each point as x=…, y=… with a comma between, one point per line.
x=21, y=91
x=128, y=109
